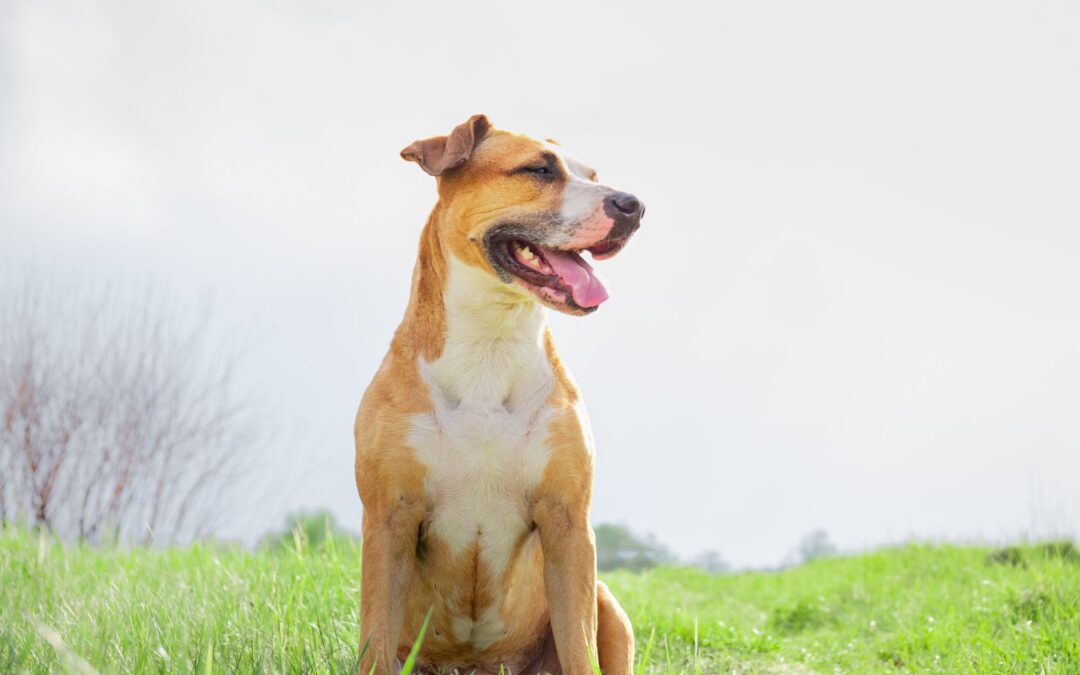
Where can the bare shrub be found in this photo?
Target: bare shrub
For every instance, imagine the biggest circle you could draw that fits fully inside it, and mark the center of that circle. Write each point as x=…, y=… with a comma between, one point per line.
x=118, y=416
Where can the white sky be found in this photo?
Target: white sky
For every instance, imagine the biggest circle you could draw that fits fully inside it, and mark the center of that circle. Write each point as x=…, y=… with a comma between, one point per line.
x=853, y=303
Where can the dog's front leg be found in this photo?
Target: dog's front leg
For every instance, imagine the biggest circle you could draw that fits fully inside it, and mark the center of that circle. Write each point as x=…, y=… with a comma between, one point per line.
x=387, y=568
x=569, y=549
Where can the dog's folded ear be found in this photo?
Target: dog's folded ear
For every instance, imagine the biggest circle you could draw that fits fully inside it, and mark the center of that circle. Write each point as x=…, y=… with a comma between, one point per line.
x=442, y=153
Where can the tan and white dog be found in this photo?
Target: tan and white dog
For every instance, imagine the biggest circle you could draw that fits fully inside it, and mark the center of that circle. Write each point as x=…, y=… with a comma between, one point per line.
x=474, y=458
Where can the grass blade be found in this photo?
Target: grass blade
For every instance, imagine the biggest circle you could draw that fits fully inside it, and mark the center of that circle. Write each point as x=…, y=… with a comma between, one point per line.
x=208, y=662
x=643, y=663
x=410, y=662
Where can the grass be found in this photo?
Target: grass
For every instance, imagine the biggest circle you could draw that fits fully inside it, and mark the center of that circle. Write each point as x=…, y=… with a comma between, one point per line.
x=206, y=608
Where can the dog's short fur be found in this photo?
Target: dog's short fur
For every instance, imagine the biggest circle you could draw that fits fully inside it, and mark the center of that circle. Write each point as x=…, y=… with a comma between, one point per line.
x=474, y=458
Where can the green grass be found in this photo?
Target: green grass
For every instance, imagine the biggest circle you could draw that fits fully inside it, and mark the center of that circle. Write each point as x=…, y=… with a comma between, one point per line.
x=946, y=609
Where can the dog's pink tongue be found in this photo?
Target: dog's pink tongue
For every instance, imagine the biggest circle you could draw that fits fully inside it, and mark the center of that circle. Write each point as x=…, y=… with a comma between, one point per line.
x=587, y=289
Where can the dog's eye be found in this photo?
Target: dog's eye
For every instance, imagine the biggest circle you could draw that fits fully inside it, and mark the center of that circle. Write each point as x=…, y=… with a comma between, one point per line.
x=545, y=166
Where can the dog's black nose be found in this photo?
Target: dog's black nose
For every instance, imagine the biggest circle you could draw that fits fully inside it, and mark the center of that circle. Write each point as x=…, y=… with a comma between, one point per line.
x=627, y=204
x=625, y=211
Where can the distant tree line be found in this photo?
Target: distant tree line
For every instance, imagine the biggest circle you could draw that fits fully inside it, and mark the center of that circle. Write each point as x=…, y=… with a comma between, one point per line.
x=307, y=529
x=617, y=547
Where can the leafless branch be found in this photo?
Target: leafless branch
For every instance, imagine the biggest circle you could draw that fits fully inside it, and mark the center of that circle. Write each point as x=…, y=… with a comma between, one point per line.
x=118, y=414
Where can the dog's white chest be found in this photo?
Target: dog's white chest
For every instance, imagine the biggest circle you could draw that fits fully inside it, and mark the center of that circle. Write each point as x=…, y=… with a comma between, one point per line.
x=482, y=466
x=485, y=441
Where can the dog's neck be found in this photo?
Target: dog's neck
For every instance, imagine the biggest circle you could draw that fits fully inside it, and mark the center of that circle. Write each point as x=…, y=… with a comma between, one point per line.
x=490, y=349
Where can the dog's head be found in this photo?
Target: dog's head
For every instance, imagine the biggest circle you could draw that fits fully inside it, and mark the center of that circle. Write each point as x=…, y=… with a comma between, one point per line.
x=525, y=212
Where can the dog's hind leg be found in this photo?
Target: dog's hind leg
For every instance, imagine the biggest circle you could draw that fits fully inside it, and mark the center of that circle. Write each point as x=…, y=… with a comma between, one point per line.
x=614, y=635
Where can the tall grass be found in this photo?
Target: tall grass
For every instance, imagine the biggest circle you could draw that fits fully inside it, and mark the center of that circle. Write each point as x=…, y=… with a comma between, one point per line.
x=209, y=608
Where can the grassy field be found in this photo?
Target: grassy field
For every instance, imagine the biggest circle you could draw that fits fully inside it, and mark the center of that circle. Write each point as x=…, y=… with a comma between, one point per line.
x=209, y=609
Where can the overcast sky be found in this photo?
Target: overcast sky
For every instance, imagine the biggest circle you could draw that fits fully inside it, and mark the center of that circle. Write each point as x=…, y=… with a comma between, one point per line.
x=853, y=304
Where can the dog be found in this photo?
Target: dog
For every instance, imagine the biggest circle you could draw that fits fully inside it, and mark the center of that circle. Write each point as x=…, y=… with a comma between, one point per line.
x=474, y=458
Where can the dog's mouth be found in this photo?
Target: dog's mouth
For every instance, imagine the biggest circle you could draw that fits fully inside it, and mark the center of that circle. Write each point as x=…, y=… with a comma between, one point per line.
x=559, y=277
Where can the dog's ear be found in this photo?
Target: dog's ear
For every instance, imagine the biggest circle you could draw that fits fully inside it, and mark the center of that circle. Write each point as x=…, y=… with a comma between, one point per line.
x=442, y=153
